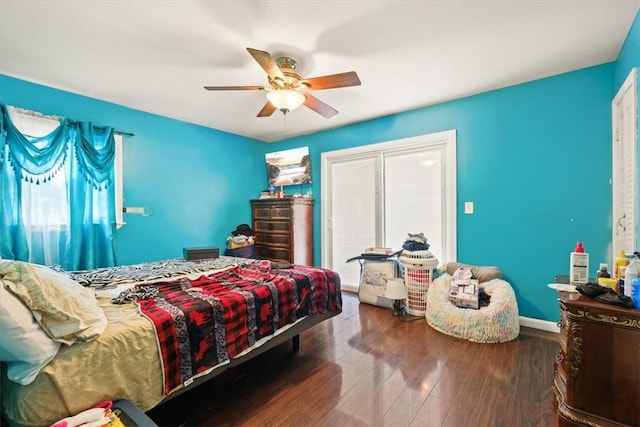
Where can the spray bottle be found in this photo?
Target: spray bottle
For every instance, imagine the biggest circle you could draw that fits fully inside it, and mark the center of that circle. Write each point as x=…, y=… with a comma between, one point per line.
x=579, y=266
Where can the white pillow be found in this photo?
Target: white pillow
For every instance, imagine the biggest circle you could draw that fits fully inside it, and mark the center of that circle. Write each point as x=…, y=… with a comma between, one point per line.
x=24, y=345
x=66, y=310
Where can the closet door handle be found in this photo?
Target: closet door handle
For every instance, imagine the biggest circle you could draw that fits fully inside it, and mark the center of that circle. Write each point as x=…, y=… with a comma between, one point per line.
x=624, y=228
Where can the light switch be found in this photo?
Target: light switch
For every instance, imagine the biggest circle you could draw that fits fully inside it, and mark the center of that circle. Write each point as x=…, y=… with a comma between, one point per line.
x=468, y=208
x=131, y=210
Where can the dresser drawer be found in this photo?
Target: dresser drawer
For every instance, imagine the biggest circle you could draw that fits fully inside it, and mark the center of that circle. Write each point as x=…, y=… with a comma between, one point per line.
x=274, y=253
x=276, y=239
x=262, y=213
x=272, y=226
x=282, y=213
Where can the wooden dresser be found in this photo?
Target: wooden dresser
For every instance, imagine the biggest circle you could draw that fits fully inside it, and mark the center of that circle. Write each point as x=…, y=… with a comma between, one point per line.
x=284, y=229
x=597, y=370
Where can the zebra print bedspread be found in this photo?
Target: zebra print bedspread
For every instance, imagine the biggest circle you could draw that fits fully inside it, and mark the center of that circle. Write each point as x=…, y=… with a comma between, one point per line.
x=151, y=271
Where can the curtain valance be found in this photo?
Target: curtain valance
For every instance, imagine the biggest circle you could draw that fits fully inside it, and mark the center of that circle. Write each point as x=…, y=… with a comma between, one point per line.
x=37, y=159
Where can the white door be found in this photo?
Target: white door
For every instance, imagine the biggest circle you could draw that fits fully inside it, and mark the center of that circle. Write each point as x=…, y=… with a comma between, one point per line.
x=374, y=195
x=625, y=167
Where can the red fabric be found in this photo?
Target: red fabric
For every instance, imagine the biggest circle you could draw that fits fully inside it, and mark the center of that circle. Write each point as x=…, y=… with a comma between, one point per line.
x=201, y=323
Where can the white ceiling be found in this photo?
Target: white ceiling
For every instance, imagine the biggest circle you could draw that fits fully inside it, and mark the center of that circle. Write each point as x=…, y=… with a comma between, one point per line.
x=156, y=56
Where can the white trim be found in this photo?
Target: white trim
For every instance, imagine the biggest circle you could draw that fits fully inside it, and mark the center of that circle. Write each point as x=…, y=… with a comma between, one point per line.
x=118, y=182
x=447, y=139
x=350, y=288
x=544, y=325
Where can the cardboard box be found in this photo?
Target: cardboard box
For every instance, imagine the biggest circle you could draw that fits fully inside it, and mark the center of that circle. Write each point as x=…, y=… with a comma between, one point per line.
x=464, y=293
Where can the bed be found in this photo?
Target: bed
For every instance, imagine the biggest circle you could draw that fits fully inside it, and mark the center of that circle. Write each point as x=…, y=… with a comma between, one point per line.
x=174, y=325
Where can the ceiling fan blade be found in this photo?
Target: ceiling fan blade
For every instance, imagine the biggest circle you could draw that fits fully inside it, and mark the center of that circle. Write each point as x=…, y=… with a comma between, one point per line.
x=334, y=80
x=234, y=87
x=266, y=61
x=319, y=107
x=267, y=110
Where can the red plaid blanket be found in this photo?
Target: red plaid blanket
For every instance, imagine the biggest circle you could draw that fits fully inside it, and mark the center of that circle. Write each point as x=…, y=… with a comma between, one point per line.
x=201, y=323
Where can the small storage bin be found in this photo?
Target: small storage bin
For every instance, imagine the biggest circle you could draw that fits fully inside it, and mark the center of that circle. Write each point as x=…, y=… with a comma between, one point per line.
x=243, y=252
x=191, y=254
x=418, y=268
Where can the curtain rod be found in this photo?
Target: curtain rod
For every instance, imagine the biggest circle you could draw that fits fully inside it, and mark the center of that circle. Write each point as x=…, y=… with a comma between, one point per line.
x=52, y=117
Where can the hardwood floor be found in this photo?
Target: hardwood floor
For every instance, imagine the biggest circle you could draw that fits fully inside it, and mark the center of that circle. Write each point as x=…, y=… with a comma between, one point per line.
x=367, y=368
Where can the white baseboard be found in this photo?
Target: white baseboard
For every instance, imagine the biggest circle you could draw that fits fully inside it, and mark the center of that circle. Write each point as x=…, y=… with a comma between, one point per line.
x=350, y=288
x=529, y=322
x=544, y=325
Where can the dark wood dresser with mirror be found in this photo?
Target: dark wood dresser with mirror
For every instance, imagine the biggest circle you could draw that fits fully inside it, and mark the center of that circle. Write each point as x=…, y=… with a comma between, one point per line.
x=597, y=370
x=284, y=229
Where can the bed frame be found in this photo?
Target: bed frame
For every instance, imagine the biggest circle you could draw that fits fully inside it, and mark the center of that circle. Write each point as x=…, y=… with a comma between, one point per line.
x=292, y=333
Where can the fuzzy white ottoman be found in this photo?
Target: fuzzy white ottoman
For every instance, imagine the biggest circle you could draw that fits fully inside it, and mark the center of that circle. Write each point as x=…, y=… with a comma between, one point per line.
x=497, y=322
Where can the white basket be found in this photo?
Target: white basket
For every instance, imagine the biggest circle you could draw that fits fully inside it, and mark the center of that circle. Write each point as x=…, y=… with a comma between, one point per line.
x=418, y=269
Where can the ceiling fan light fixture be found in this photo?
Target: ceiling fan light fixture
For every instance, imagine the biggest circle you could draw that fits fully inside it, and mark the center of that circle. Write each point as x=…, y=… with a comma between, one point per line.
x=285, y=99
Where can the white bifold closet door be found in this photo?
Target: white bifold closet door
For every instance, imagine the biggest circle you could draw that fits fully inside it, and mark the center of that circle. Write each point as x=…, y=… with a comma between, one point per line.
x=625, y=167
x=375, y=195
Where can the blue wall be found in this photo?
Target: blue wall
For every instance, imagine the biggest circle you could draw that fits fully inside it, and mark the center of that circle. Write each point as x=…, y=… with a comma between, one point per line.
x=536, y=160
x=197, y=180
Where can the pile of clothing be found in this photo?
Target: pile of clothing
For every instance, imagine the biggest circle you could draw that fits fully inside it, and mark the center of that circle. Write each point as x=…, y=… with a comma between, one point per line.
x=415, y=242
x=240, y=243
x=240, y=237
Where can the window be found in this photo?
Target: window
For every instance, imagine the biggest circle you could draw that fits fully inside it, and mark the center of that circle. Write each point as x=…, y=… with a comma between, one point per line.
x=45, y=209
x=43, y=204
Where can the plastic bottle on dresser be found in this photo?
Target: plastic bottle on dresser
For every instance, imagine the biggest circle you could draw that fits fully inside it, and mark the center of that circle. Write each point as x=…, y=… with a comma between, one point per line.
x=621, y=261
x=635, y=261
x=630, y=273
x=579, y=265
x=620, y=280
x=603, y=271
x=635, y=292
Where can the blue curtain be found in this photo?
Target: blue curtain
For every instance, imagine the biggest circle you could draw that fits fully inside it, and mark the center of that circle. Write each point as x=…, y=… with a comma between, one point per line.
x=86, y=153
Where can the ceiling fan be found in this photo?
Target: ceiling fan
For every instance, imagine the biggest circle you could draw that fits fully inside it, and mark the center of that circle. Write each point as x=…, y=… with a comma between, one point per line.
x=287, y=90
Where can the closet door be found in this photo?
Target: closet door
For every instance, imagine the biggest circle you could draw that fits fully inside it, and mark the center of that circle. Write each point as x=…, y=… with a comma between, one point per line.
x=625, y=167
